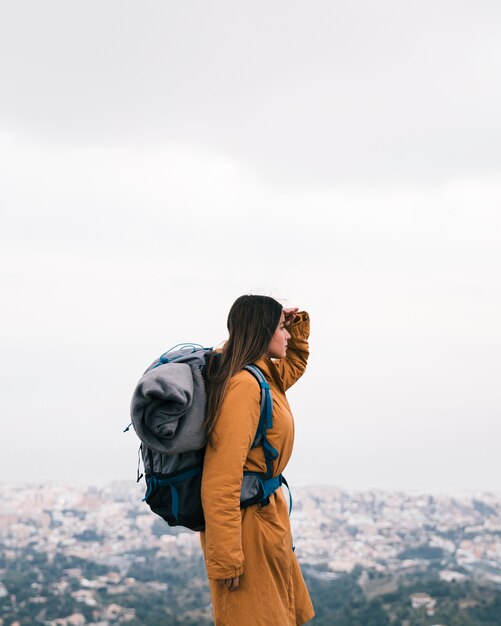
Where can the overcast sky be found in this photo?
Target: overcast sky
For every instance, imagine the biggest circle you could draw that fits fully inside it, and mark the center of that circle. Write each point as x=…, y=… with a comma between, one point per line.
x=159, y=159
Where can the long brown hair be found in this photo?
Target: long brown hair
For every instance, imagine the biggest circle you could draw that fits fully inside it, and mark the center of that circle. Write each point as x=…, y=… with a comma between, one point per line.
x=252, y=322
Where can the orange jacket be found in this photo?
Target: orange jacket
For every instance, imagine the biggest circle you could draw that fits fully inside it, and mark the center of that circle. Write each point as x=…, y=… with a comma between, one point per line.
x=254, y=543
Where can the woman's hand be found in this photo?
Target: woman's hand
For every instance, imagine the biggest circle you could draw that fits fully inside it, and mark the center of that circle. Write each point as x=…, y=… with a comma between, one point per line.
x=290, y=315
x=230, y=583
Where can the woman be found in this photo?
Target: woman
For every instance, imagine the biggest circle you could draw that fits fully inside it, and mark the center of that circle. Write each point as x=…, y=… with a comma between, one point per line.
x=253, y=572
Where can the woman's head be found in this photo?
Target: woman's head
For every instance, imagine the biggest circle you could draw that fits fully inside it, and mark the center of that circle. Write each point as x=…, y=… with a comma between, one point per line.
x=256, y=327
x=252, y=322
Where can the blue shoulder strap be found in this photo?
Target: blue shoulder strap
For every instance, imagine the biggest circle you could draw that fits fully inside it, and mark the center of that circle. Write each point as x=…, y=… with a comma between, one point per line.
x=265, y=419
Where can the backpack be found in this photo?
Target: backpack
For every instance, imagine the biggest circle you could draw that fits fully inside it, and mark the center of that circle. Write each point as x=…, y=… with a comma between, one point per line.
x=172, y=450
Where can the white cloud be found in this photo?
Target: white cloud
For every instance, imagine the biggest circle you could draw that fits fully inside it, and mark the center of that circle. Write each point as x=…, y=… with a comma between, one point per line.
x=342, y=157
x=109, y=259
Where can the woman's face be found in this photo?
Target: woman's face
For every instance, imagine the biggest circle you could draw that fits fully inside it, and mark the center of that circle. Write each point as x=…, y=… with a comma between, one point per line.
x=277, y=347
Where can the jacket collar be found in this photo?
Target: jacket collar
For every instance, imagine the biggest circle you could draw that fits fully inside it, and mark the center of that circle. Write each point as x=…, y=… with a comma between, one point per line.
x=269, y=370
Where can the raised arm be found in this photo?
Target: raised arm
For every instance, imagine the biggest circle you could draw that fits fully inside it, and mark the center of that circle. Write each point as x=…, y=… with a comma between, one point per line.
x=292, y=367
x=224, y=461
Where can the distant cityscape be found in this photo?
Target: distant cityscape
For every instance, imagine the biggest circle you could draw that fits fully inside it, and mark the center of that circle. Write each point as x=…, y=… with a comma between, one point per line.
x=73, y=555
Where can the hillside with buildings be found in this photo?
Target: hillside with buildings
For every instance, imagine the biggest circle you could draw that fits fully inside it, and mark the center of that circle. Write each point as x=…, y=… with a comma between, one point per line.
x=73, y=555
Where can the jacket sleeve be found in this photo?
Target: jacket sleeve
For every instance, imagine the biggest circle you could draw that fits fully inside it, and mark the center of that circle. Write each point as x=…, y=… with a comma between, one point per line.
x=224, y=461
x=293, y=365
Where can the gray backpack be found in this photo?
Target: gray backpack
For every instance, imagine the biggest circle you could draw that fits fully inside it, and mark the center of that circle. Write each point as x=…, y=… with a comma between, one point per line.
x=167, y=412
